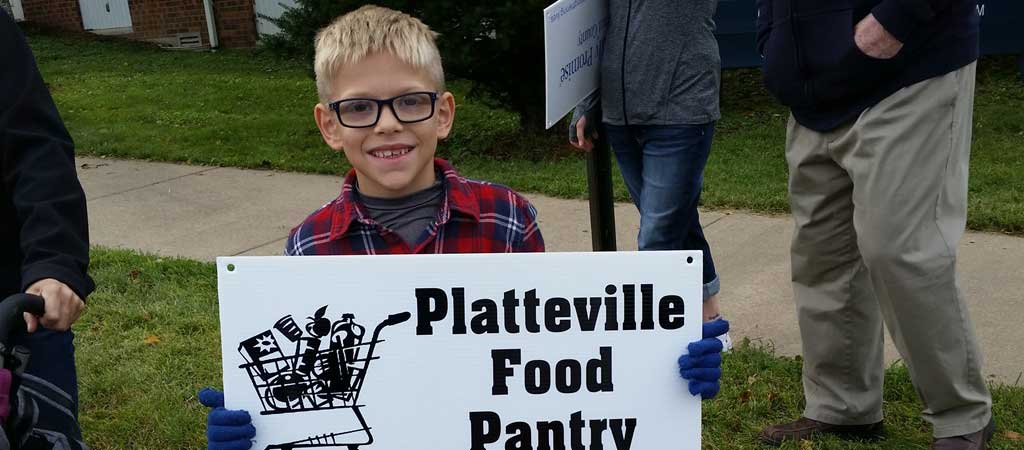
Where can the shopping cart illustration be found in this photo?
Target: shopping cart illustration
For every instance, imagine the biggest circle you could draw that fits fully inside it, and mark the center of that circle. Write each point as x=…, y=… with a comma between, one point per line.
x=315, y=378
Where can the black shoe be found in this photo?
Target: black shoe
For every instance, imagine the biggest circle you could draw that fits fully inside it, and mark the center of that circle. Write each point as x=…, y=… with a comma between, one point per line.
x=977, y=440
x=804, y=428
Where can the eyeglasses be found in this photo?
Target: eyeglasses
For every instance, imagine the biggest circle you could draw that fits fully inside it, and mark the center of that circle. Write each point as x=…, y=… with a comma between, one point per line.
x=365, y=112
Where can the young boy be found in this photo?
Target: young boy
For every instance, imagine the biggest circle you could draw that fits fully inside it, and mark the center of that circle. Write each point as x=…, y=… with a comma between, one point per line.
x=383, y=103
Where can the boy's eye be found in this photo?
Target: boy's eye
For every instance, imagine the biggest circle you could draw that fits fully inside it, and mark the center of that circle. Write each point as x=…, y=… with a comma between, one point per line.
x=411, y=100
x=358, y=106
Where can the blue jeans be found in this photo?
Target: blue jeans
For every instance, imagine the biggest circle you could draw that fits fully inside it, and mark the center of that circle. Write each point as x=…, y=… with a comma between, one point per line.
x=52, y=381
x=663, y=166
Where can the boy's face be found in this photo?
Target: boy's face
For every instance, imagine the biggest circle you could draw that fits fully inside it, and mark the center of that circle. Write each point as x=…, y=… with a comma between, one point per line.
x=392, y=159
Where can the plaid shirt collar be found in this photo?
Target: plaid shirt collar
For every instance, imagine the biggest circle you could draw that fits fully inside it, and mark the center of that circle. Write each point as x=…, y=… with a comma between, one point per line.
x=458, y=198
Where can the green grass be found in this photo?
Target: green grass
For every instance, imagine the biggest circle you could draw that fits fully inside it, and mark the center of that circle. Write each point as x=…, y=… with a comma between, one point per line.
x=251, y=110
x=138, y=395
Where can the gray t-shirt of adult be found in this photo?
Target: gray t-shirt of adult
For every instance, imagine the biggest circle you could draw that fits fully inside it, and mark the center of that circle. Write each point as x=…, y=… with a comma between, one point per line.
x=669, y=57
x=408, y=216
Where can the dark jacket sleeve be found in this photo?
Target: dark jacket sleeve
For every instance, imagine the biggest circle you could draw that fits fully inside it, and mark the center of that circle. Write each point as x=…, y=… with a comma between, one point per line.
x=38, y=171
x=764, y=18
x=902, y=17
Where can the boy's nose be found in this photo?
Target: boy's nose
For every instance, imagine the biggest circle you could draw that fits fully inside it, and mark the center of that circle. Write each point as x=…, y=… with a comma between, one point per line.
x=388, y=121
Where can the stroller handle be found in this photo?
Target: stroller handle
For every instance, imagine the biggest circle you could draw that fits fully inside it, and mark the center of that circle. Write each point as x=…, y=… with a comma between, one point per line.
x=11, y=310
x=396, y=319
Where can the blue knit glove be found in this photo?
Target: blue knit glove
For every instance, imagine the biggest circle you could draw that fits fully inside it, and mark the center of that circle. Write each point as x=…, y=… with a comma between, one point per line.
x=225, y=429
x=702, y=366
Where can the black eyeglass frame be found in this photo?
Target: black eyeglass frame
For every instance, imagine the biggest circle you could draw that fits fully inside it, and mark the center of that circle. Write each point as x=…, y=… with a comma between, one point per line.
x=389, y=102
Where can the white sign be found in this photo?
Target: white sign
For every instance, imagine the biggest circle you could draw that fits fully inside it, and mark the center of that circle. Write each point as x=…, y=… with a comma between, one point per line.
x=563, y=351
x=573, y=40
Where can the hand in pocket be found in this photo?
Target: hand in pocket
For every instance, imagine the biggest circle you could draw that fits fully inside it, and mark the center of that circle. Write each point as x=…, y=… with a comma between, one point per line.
x=873, y=40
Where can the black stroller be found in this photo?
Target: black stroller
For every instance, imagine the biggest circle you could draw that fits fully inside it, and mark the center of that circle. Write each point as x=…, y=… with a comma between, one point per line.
x=19, y=412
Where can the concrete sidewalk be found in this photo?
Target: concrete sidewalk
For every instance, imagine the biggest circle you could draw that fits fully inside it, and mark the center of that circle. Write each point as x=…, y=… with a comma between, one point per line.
x=205, y=212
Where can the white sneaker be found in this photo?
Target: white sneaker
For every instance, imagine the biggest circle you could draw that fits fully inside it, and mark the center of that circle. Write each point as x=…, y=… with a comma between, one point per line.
x=726, y=340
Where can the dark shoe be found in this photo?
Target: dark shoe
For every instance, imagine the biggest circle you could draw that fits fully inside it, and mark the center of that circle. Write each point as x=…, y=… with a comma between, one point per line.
x=805, y=428
x=977, y=440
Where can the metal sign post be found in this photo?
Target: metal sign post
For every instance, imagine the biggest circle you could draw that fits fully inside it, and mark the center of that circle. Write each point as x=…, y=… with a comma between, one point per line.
x=602, y=206
x=573, y=37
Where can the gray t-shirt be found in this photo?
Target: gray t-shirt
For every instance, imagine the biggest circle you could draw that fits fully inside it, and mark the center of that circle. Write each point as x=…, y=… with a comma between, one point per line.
x=671, y=61
x=408, y=216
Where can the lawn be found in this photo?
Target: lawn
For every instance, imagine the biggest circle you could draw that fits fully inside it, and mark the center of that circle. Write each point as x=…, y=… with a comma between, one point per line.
x=241, y=109
x=150, y=340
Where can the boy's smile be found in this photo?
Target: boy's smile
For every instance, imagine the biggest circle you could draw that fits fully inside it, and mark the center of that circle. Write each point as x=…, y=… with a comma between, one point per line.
x=391, y=158
x=394, y=151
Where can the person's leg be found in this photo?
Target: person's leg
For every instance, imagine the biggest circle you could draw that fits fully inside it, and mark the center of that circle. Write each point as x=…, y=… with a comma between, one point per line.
x=909, y=162
x=629, y=155
x=695, y=239
x=672, y=170
x=839, y=319
x=672, y=177
x=52, y=381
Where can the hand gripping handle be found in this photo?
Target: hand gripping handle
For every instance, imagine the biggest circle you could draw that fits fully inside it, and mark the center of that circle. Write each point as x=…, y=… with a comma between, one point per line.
x=11, y=311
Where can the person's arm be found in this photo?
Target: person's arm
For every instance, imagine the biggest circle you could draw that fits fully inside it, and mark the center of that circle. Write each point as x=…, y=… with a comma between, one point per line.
x=901, y=18
x=893, y=23
x=532, y=241
x=764, y=20
x=585, y=119
x=38, y=171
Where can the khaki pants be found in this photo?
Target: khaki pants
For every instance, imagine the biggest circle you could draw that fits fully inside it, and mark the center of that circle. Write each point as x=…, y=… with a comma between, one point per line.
x=880, y=205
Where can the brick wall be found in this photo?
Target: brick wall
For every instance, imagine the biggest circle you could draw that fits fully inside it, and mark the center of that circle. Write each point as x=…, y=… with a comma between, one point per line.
x=236, y=23
x=161, y=20
x=53, y=13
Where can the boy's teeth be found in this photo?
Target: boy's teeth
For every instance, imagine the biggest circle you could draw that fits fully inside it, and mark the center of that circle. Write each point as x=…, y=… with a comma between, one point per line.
x=390, y=153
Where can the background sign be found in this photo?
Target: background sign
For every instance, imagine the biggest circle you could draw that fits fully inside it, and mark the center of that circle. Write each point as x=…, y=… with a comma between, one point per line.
x=529, y=351
x=573, y=39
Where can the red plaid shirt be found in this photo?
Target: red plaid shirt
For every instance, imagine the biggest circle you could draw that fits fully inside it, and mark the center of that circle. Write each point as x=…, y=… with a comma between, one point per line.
x=475, y=217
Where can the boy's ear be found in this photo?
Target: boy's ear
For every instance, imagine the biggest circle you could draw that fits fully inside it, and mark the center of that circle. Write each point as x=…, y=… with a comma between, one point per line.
x=329, y=127
x=445, y=114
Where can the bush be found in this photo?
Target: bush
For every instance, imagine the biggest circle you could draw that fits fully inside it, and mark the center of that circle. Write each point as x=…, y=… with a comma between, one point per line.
x=496, y=44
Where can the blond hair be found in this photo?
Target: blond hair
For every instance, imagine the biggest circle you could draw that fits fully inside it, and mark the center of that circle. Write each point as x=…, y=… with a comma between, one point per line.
x=372, y=29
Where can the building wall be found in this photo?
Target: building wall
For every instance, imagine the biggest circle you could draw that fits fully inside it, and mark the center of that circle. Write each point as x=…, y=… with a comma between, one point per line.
x=161, y=20
x=236, y=23
x=62, y=14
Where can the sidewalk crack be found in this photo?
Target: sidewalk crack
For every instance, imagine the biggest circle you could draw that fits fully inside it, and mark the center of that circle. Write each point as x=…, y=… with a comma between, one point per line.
x=716, y=221
x=261, y=245
x=151, y=184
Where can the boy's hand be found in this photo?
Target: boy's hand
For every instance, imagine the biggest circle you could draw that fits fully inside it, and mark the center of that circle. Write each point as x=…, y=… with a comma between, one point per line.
x=702, y=366
x=226, y=429
x=62, y=305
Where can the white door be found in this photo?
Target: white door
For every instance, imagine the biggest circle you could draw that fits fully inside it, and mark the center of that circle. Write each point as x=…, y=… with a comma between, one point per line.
x=105, y=14
x=270, y=8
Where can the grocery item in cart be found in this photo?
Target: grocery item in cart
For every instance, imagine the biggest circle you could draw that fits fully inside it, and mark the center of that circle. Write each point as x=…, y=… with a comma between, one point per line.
x=261, y=347
x=346, y=333
x=346, y=336
x=288, y=328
